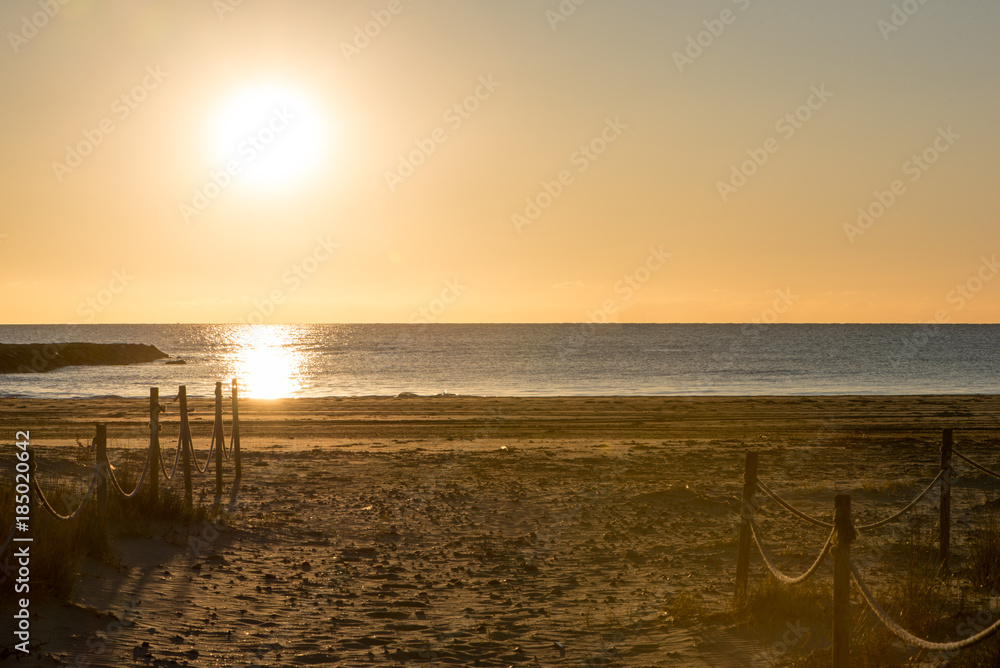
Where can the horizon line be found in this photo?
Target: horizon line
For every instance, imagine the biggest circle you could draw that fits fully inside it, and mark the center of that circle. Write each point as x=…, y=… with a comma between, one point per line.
x=424, y=324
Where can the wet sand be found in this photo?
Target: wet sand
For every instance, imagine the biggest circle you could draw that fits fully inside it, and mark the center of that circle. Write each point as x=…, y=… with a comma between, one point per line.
x=481, y=531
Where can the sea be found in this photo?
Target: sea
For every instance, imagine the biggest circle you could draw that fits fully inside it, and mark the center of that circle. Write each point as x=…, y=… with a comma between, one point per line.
x=532, y=360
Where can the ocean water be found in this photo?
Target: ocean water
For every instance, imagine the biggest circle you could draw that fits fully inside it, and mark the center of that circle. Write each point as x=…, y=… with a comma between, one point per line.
x=528, y=360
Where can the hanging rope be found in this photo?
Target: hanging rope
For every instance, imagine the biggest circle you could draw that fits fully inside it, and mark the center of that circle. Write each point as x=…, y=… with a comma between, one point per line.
x=225, y=451
x=798, y=513
x=974, y=464
x=908, y=637
x=52, y=511
x=781, y=577
x=881, y=523
x=208, y=462
x=177, y=459
x=142, y=479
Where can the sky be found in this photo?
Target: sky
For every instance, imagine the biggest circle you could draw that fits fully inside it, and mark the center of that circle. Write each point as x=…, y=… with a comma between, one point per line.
x=514, y=161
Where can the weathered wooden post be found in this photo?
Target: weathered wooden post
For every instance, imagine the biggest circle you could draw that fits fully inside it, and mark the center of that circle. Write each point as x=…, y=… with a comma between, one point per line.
x=103, y=471
x=945, y=528
x=154, y=444
x=236, y=434
x=746, y=514
x=842, y=580
x=220, y=440
x=185, y=445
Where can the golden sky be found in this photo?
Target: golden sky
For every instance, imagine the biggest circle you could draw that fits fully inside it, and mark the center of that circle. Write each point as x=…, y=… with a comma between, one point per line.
x=499, y=161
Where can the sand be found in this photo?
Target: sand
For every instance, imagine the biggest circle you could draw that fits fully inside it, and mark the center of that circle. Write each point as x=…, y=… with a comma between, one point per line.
x=481, y=531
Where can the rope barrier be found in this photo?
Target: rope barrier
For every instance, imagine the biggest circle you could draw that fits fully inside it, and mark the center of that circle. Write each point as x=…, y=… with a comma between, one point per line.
x=177, y=459
x=887, y=520
x=52, y=511
x=211, y=448
x=908, y=637
x=974, y=464
x=844, y=568
x=97, y=479
x=787, y=506
x=864, y=527
x=142, y=479
x=781, y=577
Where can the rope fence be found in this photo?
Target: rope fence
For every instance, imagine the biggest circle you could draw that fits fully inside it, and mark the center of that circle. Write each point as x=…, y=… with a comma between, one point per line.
x=97, y=490
x=208, y=462
x=908, y=637
x=975, y=465
x=905, y=509
x=44, y=503
x=794, y=511
x=782, y=577
x=842, y=534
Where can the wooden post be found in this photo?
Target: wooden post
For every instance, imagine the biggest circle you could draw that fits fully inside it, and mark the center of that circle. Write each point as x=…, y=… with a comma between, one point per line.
x=154, y=444
x=842, y=581
x=945, y=527
x=220, y=440
x=103, y=471
x=236, y=434
x=746, y=513
x=185, y=445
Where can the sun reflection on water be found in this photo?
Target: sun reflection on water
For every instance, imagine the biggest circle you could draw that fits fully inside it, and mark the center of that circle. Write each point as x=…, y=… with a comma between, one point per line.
x=265, y=363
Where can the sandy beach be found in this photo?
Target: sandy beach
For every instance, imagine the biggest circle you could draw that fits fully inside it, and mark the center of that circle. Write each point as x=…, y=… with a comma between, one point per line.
x=483, y=531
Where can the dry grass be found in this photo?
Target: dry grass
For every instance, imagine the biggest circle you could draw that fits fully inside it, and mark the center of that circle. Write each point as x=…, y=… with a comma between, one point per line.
x=915, y=593
x=59, y=546
x=937, y=606
x=984, y=548
x=685, y=608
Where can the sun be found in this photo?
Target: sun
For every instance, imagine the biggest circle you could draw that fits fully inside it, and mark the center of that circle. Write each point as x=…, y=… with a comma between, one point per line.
x=268, y=136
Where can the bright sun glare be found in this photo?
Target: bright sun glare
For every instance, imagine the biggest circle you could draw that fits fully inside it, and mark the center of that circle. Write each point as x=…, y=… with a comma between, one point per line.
x=264, y=364
x=272, y=134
